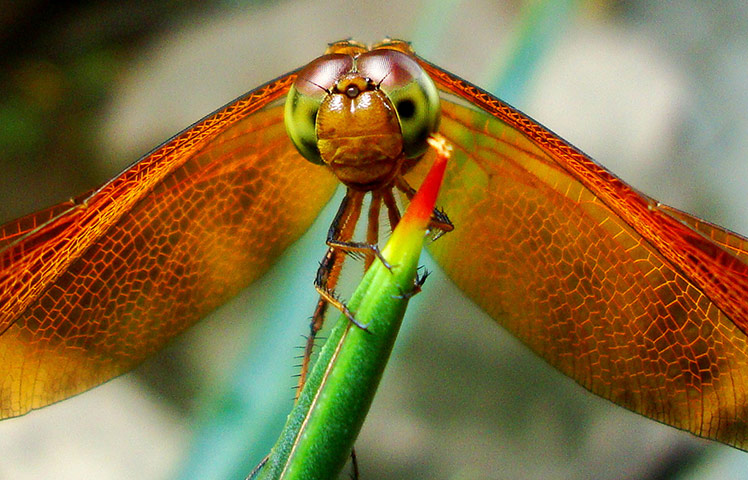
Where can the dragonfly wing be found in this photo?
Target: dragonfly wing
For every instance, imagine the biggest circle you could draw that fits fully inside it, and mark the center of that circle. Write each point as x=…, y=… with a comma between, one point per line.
x=633, y=300
x=730, y=241
x=90, y=288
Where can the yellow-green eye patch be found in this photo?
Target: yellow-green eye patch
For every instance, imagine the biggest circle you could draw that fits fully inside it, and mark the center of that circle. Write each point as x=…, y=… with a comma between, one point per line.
x=305, y=97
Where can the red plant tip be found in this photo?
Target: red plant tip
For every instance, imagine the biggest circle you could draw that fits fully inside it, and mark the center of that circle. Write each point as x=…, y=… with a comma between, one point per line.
x=422, y=204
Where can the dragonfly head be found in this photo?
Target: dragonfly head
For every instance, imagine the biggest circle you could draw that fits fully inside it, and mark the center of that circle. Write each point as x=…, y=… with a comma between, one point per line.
x=362, y=112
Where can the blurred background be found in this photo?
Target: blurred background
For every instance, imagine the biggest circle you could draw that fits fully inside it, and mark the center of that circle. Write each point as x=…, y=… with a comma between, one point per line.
x=655, y=91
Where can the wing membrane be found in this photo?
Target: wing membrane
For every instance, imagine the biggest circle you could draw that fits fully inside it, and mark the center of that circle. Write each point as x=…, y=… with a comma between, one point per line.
x=90, y=288
x=639, y=303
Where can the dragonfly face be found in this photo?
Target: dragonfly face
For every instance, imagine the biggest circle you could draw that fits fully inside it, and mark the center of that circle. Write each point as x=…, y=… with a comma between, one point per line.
x=362, y=113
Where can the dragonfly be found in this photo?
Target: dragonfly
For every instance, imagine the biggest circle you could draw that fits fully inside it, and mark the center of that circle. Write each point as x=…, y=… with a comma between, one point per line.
x=638, y=302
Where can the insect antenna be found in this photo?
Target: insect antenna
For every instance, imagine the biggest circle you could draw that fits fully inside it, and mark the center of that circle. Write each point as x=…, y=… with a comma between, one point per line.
x=383, y=78
x=317, y=85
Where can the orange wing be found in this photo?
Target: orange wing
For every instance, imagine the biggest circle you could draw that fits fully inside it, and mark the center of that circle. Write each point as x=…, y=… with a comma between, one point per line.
x=91, y=287
x=638, y=302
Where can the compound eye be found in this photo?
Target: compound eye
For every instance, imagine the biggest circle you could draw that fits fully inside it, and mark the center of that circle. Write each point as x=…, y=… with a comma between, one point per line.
x=312, y=86
x=411, y=91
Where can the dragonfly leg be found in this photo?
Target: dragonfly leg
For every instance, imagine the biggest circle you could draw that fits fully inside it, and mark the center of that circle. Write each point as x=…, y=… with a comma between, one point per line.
x=393, y=212
x=372, y=227
x=356, y=249
x=330, y=297
x=417, y=285
x=341, y=230
x=339, y=240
